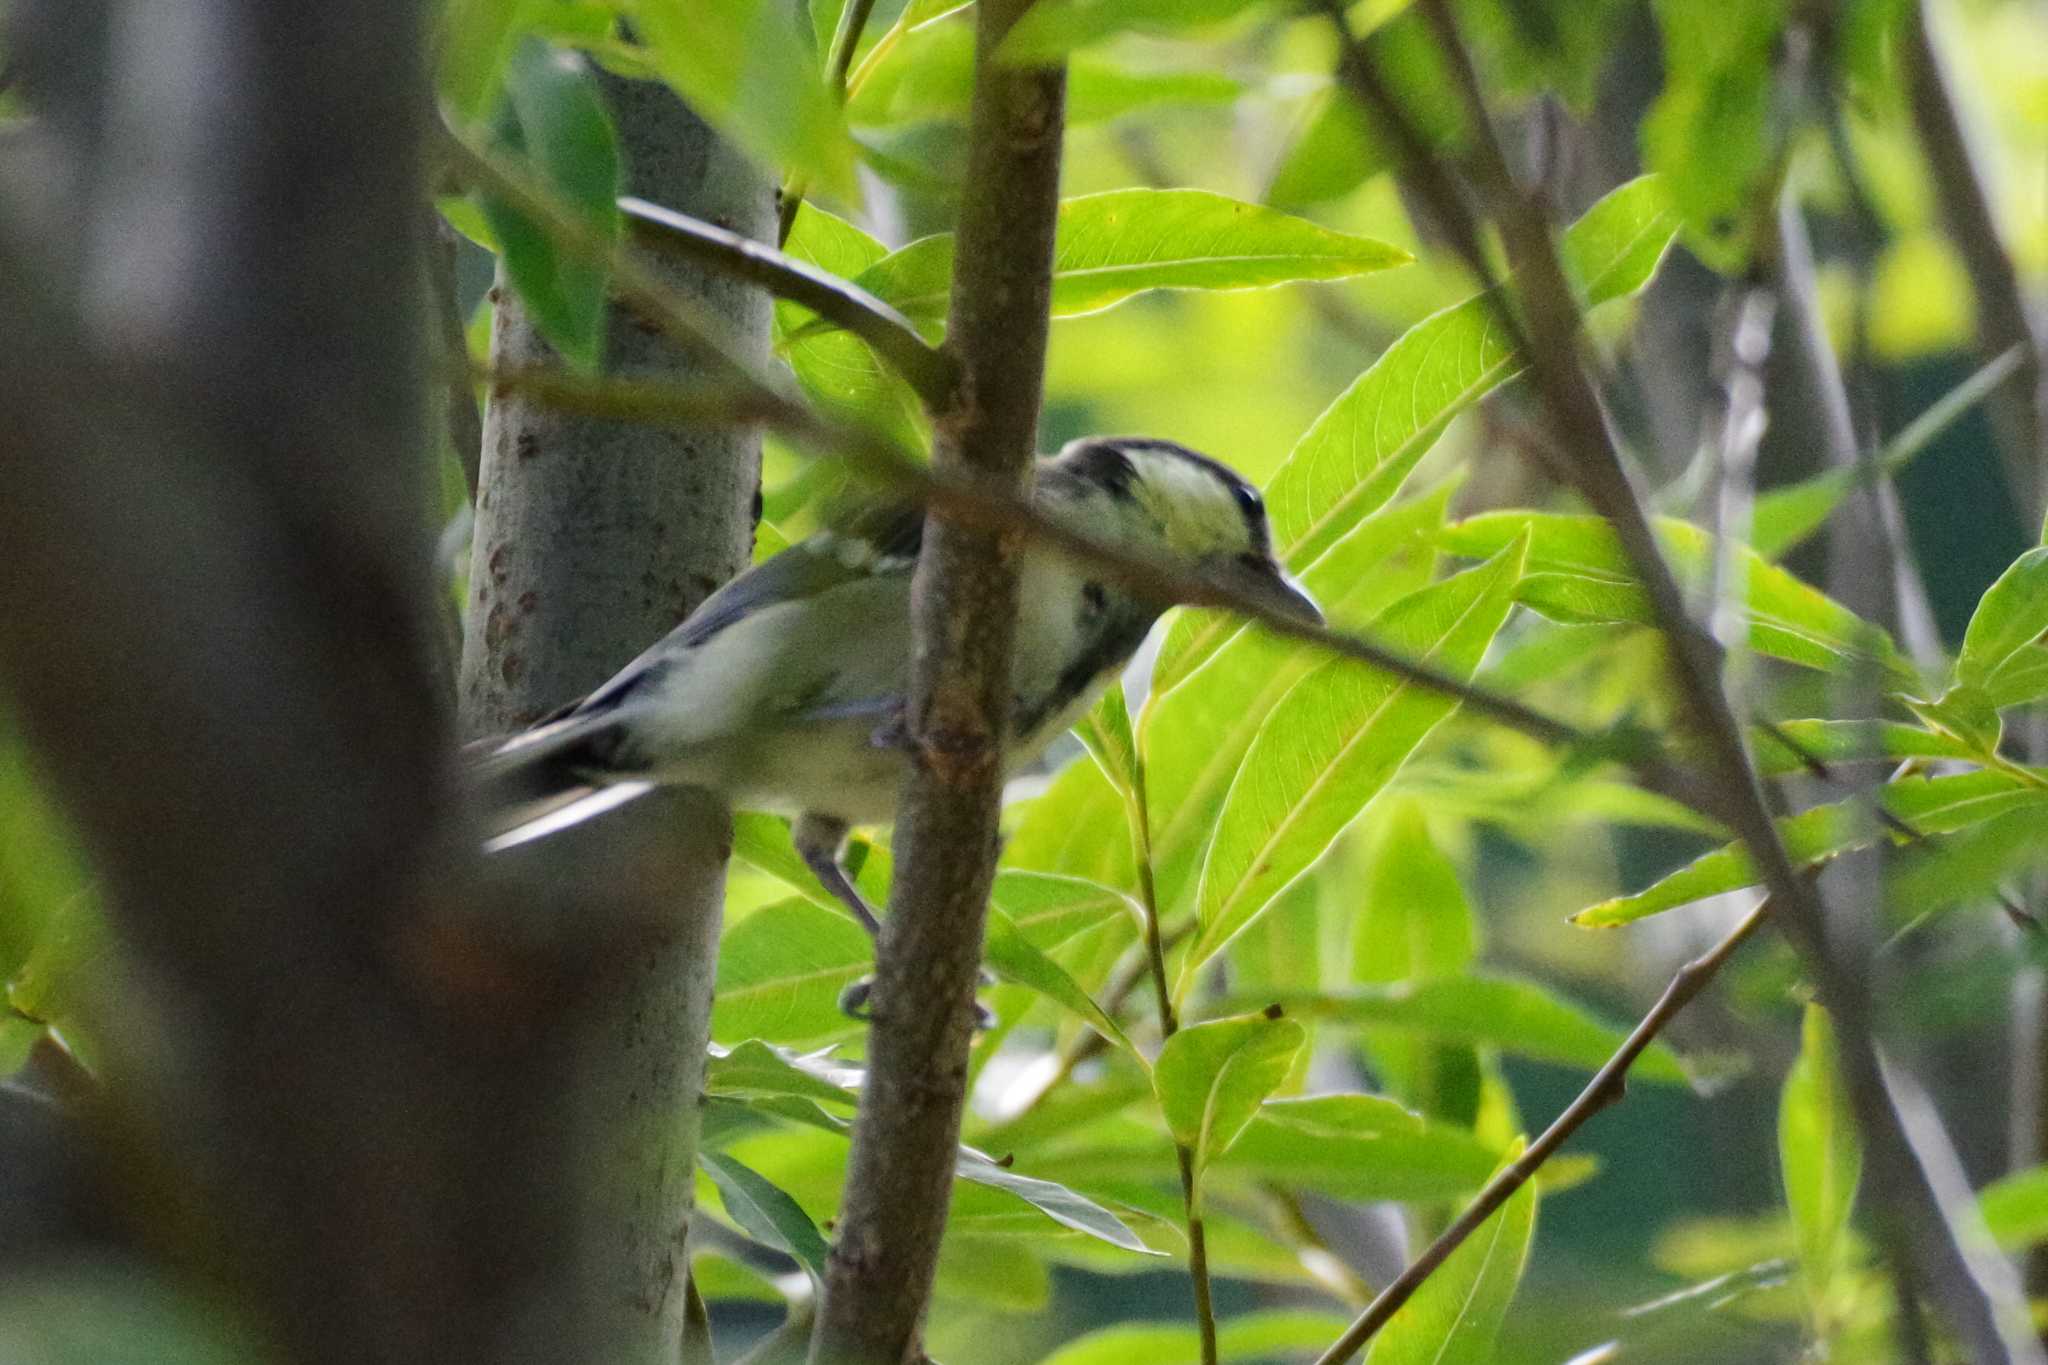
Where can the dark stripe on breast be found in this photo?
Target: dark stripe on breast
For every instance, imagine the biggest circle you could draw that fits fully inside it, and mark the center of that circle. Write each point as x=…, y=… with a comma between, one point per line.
x=1118, y=635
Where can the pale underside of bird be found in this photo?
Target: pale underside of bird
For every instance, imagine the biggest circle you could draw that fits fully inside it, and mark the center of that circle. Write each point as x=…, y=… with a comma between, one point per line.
x=785, y=690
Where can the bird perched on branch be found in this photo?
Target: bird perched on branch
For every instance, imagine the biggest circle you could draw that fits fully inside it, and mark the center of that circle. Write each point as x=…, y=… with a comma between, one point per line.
x=785, y=691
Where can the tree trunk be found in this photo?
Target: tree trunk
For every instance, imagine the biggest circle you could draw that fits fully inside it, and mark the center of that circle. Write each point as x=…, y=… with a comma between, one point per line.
x=593, y=539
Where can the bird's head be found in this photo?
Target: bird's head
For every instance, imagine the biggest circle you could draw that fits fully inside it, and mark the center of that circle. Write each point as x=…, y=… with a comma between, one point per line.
x=1154, y=494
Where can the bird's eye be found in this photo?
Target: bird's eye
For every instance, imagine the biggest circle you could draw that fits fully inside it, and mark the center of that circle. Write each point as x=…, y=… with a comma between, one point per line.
x=1247, y=499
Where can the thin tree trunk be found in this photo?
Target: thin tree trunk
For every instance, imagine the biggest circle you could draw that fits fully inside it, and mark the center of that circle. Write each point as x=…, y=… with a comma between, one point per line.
x=594, y=538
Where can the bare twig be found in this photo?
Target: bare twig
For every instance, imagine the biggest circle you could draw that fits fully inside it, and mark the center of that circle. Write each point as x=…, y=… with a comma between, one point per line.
x=1608, y=1085
x=845, y=41
x=2020, y=412
x=899, y=1180
x=931, y=372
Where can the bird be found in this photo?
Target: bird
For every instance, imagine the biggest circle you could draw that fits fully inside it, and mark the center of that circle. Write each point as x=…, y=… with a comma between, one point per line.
x=785, y=690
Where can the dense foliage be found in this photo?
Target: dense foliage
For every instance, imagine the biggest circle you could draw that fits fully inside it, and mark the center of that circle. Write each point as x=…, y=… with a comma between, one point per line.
x=1362, y=889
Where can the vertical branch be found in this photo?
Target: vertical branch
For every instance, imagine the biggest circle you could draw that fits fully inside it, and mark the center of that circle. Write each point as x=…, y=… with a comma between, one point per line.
x=963, y=609
x=2019, y=412
x=594, y=537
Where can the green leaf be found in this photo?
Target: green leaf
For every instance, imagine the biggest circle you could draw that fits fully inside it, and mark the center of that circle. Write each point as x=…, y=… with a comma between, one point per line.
x=1055, y=1201
x=1051, y=29
x=1456, y=1315
x=1937, y=805
x=1114, y=245
x=476, y=42
x=554, y=122
x=1211, y=1078
x=766, y=1212
x=1821, y=1158
x=1965, y=714
x=2015, y=1209
x=781, y=971
x=1711, y=131
x=930, y=75
x=1356, y=456
x=1515, y=1016
x=1968, y=866
x=998, y=1274
x=1255, y=1335
x=1579, y=574
x=1340, y=146
x=1195, y=738
x=1013, y=957
x=836, y=369
x=1847, y=741
x=1106, y=733
x=755, y=1069
x=1414, y=920
x=2012, y=614
x=1358, y=1147
x=745, y=69
x=1333, y=742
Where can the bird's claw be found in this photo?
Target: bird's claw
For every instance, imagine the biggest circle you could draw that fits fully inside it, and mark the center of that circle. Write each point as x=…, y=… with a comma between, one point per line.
x=854, y=1002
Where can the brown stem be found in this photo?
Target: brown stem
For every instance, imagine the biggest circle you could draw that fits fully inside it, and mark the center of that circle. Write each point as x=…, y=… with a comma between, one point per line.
x=899, y=1179
x=1608, y=1085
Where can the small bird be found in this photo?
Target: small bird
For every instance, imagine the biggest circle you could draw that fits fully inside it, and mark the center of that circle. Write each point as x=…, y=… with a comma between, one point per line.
x=785, y=690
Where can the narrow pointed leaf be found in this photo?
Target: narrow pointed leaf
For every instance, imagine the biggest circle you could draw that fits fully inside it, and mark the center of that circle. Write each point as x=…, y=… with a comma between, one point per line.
x=1938, y=805
x=1820, y=1156
x=766, y=1212
x=1113, y=245
x=1333, y=742
x=2012, y=615
x=1359, y=452
x=1014, y=958
x=1211, y=1078
x=1456, y=1316
x=1054, y=1200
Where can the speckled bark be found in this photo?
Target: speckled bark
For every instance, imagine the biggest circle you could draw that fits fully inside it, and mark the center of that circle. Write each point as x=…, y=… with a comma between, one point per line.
x=900, y=1179
x=593, y=539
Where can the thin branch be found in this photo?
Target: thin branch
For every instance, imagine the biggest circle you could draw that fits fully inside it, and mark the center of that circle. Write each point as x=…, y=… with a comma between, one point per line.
x=1595, y=470
x=1138, y=811
x=2020, y=414
x=1607, y=1087
x=930, y=371
x=853, y=19
x=899, y=1178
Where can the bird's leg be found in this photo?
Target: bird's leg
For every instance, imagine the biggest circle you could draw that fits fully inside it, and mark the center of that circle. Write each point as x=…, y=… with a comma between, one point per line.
x=818, y=839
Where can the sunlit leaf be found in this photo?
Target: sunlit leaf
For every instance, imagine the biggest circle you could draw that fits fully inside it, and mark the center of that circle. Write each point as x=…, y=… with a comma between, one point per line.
x=1938, y=805
x=1515, y=1016
x=1360, y=1147
x=1106, y=733
x=554, y=123
x=1254, y=1335
x=2015, y=1209
x=1455, y=1316
x=1013, y=957
x=1113, y=245
x=1212, y=1078
x=1846, y=741
x=1974, y=864
x=1054, y=1200
x=754, y=1069
x=1195, y=737
x=743, y=67
x=1820, y=1156
x=2012, y=614
x=1341, y=146
x=1051, y=29
x=781, y=971
x=836, y=369
x=476, y=42
x=1578, y=573
x=766, y=1212
x=1361, y=450
x=1334, y=741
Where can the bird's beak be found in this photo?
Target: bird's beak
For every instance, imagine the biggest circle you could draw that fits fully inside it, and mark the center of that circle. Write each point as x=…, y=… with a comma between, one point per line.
x=1265, y=582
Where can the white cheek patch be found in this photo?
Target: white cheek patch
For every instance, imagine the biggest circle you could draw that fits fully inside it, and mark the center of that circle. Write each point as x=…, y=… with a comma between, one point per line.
x=1200, y=515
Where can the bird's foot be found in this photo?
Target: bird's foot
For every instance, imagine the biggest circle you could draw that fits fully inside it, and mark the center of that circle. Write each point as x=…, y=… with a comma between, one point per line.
x=855, y=1001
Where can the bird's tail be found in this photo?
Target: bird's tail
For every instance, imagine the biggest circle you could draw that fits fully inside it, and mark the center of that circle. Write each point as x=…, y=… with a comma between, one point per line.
x=547, y=779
